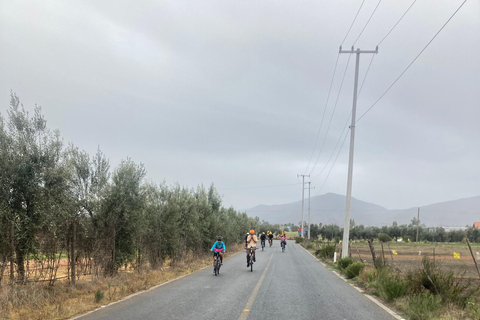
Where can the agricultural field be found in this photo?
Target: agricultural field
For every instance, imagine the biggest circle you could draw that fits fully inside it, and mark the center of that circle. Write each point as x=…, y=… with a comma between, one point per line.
x=408, y=256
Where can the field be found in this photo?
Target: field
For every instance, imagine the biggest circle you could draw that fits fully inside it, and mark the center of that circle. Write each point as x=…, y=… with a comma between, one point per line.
x=409, y=256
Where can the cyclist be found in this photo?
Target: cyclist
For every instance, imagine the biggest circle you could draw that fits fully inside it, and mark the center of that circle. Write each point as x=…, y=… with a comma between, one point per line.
x=270, y=238
x=262, y=239
x=283, y=239
x=251, y=245
x=219, y=247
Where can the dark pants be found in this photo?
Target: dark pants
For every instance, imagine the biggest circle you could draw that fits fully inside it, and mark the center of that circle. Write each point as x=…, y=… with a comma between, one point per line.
x=248, y=255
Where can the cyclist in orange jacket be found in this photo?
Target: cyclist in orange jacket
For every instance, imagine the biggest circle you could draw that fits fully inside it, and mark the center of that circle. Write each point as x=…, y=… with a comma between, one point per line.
x=251, y=245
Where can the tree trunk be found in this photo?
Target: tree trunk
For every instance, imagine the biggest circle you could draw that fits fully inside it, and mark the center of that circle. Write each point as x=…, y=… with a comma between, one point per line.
x=113, y=264
x=12, y=253
x=72, y=253
x=20, y=265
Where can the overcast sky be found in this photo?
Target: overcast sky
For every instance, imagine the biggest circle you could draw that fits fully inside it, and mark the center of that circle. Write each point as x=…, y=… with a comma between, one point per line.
x=245, y=94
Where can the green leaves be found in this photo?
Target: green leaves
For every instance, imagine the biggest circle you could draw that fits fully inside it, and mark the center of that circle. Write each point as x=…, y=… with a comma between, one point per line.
x=65, y=199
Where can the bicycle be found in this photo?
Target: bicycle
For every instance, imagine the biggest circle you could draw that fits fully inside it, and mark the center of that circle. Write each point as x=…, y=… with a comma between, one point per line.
x=251, y=257
x=218, y=264
x=270, y=242
x=283, y=244
x=263, y=244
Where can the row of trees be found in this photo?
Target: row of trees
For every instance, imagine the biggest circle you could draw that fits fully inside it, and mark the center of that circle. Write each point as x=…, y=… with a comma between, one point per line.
x=407, y=232
x=56, y=199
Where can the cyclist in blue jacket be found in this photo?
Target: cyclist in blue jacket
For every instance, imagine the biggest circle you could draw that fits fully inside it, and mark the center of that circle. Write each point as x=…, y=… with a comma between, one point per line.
x=219, y=247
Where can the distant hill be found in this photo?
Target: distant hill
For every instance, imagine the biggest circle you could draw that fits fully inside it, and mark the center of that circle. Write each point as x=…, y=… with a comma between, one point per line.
x=458, y=213
x=330, y=209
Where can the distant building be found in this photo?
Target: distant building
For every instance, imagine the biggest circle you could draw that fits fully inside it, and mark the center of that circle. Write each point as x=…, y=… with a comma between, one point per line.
x=476, y=225
x=448, y=229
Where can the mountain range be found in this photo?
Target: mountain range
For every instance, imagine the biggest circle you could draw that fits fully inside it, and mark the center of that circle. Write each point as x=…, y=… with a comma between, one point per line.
x=330, y=209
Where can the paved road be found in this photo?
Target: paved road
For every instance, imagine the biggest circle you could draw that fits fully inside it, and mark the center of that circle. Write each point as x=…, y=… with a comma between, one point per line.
x=286, y=285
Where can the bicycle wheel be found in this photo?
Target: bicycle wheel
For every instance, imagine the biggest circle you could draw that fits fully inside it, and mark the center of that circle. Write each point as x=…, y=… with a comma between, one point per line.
x=217, y=266
x=251, y=263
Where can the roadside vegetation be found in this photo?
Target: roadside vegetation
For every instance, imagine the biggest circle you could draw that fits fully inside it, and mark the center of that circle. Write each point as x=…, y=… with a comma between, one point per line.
x=429, y=288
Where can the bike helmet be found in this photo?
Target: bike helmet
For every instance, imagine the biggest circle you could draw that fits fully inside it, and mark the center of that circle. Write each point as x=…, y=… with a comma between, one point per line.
x=263, y=232
x=252, y=231
x=219, y=238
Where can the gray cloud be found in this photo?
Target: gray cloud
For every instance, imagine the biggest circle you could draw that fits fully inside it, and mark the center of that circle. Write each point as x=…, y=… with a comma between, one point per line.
x=232, y=93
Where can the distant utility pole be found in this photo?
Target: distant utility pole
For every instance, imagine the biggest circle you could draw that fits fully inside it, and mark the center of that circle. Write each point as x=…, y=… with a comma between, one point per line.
x=346, y=227
x=309, y=187
x=418, y=222
x=303, y=195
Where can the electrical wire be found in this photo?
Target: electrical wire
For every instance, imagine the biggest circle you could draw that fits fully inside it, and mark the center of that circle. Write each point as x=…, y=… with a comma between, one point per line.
x=328, y=96
x=338, y=141
x=262, y=187
x=366, y=24
x=333, y=164
x=394, y=82
x=364, y=78
x=397, y=22
x=333, y=113
x=353, y=22
x=323, y=116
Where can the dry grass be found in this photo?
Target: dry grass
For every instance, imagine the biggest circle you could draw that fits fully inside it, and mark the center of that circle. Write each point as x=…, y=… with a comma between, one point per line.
x=409, y=256
x=61, y=301
x=409, y=259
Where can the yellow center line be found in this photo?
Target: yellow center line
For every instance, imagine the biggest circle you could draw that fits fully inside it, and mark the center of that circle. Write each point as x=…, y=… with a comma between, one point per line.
x=250, y=301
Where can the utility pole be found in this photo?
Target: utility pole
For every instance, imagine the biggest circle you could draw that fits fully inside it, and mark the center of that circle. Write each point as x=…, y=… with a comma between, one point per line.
x=346, y=227
x=309, y=187
x=303, y=196
x=418, y=221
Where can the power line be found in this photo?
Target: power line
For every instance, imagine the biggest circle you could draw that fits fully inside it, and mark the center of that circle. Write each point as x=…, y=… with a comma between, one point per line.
x=367, y=22
x=364, y=78
x=333, y=113
x=397, y=22
x=324, y=110
x=388, y=89
x=338, y=142
x=333, y=164
x=328, y=97
x=353, y=22
x=261, y=187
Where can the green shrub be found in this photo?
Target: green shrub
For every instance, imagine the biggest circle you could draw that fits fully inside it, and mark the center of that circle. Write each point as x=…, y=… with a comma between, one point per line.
x=298, y=239
x=309, y=245
x=390, y=287
x=344, y=263
x=383, y=237
x=98, y=296
x=424, y=306
x=354, y=269
x=326, y=252
x=368, y=277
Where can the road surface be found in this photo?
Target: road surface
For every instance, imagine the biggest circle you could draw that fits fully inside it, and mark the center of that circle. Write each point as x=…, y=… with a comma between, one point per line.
x=283, y=285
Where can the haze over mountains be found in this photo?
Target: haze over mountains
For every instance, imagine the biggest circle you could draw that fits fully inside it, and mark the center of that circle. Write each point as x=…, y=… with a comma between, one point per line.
x=330, y=209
